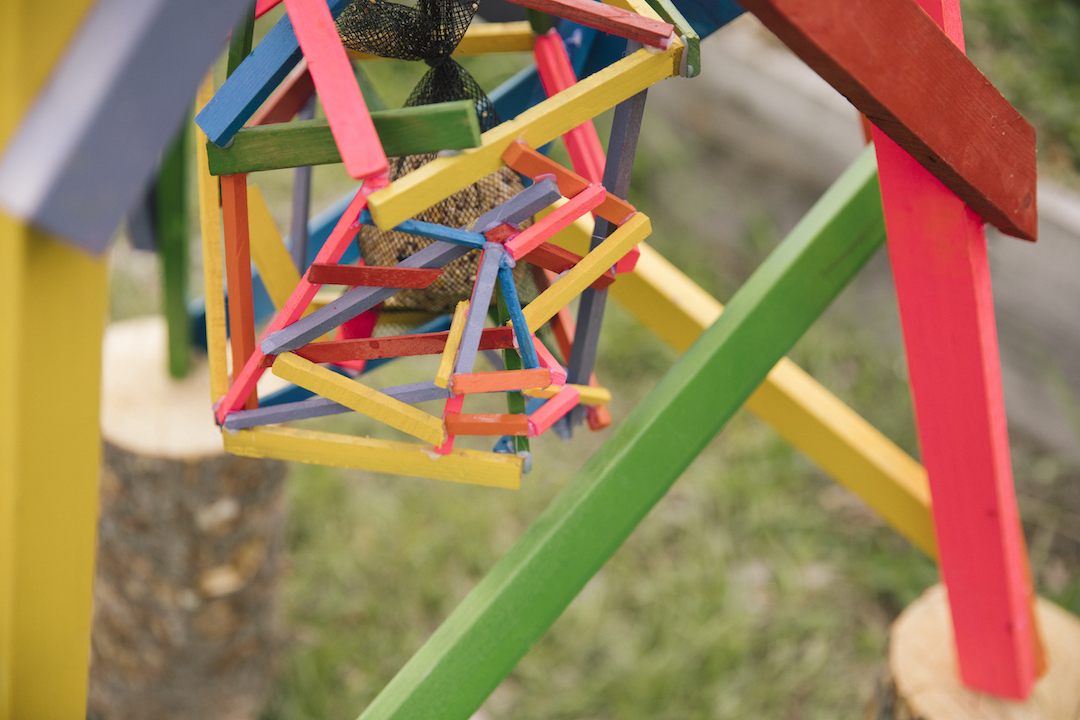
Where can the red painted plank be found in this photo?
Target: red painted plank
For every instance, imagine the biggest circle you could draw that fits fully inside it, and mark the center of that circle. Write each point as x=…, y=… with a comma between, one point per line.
x=501, y=381
x=557, y=74
x=552, y=410
x=346, y=112
x=530, y=163
x=288, y=100
x=393, y=346
x=938, y=252
x=238, y=273
x=264, y=6
x=373, y=276
x=486, y=424
x=612, y=20
x=453, y=406
x=559, y=219
x=891, y=60
x=342, y=234
x=556, y=259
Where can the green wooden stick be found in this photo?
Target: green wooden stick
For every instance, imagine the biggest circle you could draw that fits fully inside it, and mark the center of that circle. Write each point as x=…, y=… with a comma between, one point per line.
x=529, y=587
x=667, y=10
x=240, y=40
x=172, y=234
x=407, y=131
x=515, y=401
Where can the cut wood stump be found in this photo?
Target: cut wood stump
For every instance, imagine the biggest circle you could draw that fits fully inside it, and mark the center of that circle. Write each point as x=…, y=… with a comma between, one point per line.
x=190, y=547
x=922, y=683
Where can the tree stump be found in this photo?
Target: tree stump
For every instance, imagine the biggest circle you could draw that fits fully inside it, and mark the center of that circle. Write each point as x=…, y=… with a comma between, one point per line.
x=922, y=681
x=190, y=548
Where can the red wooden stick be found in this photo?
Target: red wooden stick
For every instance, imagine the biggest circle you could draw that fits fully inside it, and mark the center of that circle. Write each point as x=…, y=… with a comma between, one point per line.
x=501, y=381
x=556, y=259
x=264, y=6
x=897, y=66
x=938, y=252
x=359, y=328
x=288, y=100
x=610, y=19
x=453, y=406
x=238, y=273
x=547, y=360
x=394, y=346
x=557, y=74
x=486, y=424
x=555, y=221
x=371, y=276
x=527, y=161
x=332, y=250
x=346, y=112
x=553, y=409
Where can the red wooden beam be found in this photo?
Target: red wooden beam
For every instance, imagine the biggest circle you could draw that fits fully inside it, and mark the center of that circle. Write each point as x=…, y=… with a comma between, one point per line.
x=393, y=346
x=373, y=276
x=612, y=20
x=938, y=252
x=288, y=100
x=556, y=259
x=559, y=219
x=892, y=61
x=486, y=424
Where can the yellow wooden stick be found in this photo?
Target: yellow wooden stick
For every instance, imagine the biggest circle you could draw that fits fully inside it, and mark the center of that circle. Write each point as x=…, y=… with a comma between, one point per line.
x=589, y=395
x=585, y=273
x=537, y=126
x=213, y=282
x=385, y=456
x=805, y=414
x=637, y=6
x=268, y=251
x=453, y=341
x=359, y=397
x=481, y=39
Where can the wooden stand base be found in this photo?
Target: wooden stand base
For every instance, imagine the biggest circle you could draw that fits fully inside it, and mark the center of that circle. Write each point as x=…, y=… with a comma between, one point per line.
x=190, y=547
x=922, y=682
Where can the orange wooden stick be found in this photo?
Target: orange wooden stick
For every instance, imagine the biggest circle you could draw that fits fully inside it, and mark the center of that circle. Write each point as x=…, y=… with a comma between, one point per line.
x=501, y=381
x=238, y=274
x=486, y=424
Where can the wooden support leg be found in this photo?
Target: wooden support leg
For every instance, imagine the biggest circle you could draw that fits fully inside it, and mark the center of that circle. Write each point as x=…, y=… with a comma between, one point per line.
x=938, y=252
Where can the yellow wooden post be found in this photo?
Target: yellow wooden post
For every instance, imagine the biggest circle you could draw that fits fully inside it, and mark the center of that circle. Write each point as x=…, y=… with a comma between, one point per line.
x=52, y=312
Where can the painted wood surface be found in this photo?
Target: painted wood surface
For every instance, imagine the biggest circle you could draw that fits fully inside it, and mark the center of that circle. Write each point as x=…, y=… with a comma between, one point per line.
x=486, y=424
x=288, y=100
x=940, y=109
x=240, y=41
x=938, y=254
x=536, y=234
x=383, y=456
x=397, y=346
x=354, y=132
x=480, y=301
x=530, y=586
x=369, y=276
x=556, y=259
x=670, y=12
x=502, y=381
x=536, y=127
x=406, y=131
x=591, y=395
x=522, y=333
x=608, y=18
x=481, y=39
x=565, y=400
x=453, y=342
x=268, y=250
x=234, y=212
x=171, y=223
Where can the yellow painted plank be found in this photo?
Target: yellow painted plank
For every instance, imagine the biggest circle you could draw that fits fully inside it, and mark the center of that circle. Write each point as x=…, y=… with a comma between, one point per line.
x=50, y=372
x=483, y=38
x=453, y=341
x=268, y=250
x=384, y=456
x=637, y=6
x=359, y=397
x=585, y=273
x=213, y=279
x=589, y=395
x=812, y=419
x=537, y=126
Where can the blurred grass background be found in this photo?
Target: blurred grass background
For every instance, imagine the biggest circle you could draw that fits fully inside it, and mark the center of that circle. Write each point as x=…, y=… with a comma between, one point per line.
x=757, y=587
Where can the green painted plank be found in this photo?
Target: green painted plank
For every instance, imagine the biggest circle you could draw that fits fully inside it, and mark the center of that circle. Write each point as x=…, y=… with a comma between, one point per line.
x=240, y=40
x=407, y=131
x=667, y=10
x=529, y=587
x=171, y=228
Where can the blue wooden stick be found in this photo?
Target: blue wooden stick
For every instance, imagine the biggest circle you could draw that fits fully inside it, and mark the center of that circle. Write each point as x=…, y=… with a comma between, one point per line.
x=513, y=306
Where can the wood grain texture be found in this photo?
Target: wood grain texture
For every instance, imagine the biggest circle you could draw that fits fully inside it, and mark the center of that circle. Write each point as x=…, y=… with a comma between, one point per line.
x=891, y=60
x=383, y=456
x=546, y=121
x=370, y=276
x=347, y=113
x=394, y=346
x=608, y=18
x=406, y=131
x=486, y=424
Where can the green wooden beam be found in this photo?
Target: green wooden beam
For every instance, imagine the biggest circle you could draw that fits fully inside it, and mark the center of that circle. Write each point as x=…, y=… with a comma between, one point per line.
x=667, y=10
x=171, y=225
x=407, y=131
x=529, y=587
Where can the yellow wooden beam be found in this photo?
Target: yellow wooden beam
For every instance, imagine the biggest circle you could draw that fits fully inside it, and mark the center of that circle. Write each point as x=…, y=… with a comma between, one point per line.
x=537, y=126
x=50, y=372
x=588, y=394
x=384, y=456
x=481, y=39
x=805, y=414
x=268, y=251
x=453, y=342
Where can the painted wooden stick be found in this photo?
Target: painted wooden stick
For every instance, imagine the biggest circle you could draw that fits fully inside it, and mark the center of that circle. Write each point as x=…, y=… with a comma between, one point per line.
x=240, y=41
x=234, y=208
x=301, y=203
x=294, y=94
x=453, y=342
x=588, y=394
x=434, y=231
x=522, y=206
x=359, y=397
x=548, y=361
x=558, y=260
x=563, y=402
x=521, y=326
x=268, y=251
x=172, y=233
x=557, y=74
x=938, y=108
x=484, y=286
x=515, y=401
x=452, y=407
x=507, y=380
x=346, y=111
x=537, y=233
x=395, y=346
x=264, y=6
x=371, y=276
x=486, y=424
x=610, y=19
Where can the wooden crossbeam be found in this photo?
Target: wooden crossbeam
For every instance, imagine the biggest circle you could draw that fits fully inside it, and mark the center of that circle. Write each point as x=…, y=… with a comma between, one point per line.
x=368, y=276
x=486, y=424
x=608, y=18
x=395, y=346
x=893, y=62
